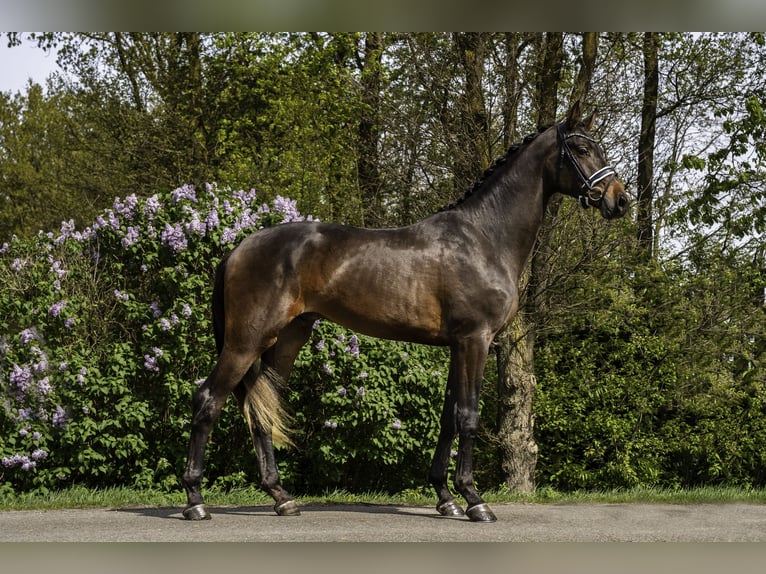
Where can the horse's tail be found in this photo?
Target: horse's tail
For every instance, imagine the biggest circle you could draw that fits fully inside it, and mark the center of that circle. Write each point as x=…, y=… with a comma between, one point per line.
x=262, y=404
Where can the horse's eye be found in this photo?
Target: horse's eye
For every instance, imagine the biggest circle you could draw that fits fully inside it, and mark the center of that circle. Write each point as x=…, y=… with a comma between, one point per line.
x=583, y=151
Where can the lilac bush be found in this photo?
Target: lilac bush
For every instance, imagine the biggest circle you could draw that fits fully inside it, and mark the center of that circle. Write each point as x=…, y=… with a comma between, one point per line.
x=105, y=332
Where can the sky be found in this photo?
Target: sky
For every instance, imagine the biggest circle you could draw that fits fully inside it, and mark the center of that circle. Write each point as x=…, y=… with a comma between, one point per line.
x=20, y=63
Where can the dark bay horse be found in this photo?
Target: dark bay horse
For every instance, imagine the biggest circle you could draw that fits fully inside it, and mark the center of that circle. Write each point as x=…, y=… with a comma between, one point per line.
x=450, y=279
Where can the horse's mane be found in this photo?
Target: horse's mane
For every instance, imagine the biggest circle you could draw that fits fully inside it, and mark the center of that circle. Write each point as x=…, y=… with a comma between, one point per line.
x=502, y=160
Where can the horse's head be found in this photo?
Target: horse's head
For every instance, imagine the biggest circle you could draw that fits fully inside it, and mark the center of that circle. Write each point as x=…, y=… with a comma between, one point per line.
x=582, y=169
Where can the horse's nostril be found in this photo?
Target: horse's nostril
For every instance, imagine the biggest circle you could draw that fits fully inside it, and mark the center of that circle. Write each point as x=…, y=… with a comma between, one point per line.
x=622, y=202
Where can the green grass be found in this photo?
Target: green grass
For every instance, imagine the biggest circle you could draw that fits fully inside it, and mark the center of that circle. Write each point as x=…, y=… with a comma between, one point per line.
x=78, y=497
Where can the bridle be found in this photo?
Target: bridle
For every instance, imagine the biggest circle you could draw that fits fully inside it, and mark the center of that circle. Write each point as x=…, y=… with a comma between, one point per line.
x=591, y=195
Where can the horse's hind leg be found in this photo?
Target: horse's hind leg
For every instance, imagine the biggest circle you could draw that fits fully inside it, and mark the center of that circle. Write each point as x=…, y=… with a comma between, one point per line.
x=206, y=407
x=276, y=365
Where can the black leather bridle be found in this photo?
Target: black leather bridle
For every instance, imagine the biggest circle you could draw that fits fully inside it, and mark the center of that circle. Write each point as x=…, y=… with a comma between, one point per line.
x=591, y=195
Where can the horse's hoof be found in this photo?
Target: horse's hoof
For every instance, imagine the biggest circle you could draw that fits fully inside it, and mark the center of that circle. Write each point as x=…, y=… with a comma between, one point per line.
x=196, y=512
x=450, y=508
x=481, y=513
x=287, y=508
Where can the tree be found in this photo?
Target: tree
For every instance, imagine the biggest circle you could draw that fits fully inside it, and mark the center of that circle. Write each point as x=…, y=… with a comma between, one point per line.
x=370, y=184
x=645, y=198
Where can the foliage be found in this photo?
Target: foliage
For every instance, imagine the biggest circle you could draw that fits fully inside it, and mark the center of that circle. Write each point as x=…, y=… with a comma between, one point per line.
x=368, y=409
x=660, y=384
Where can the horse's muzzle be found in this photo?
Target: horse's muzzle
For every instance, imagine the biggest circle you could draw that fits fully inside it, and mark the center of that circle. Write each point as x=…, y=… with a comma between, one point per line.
x=615, y=202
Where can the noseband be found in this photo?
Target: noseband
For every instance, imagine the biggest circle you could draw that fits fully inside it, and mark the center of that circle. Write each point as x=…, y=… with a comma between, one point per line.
x=590, y=195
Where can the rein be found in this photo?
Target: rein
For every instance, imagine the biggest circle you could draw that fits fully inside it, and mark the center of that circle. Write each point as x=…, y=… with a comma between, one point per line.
x=591, y=194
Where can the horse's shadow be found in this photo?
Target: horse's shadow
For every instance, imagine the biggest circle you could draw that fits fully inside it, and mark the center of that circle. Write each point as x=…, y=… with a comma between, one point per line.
x=267, y=511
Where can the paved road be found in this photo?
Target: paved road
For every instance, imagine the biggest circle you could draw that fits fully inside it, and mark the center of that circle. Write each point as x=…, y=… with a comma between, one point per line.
x=379, y=523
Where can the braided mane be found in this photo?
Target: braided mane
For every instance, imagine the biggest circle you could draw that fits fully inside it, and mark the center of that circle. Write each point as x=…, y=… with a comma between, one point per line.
x=502, y=160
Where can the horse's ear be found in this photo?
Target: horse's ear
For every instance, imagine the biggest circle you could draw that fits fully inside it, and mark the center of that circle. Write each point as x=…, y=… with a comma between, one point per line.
x=589, y=121
x=574, y=115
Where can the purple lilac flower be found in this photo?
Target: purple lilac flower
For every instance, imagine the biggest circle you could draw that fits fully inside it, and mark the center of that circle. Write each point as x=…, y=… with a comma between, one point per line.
x=173, y=236
x=331, y=424
x=342, y=391
x=247, y=198
x=195, y=226
x=21, y=379
x=150, y=361
x=131, y=236
x=36, y=436
x=363, y=375
x=28, y=335
x=126, y=209
x=152, y=207
x=18, y=264
x=154, y=306
x=4, y=248
x=288, y=208
x=56, y=308
x=69, y=323
x=44, y=386
x=120, y=296
x=186, y=310
x=353, y=347
x=320, y=345
x=184, y=192
x=59, y=418
x=10, y=462
x=23, y=432
x=164, y=324
x=114, y=221
x=39, y=454
x=63, y=366
x=228, y=236
x=25, y=414
x=396, y=425
x=57, y=268
x=212, y=221
x=42, y=366
x=81, y=375
x=360, y=392
x=327, y=369
x=26, y=464
x=67, y=231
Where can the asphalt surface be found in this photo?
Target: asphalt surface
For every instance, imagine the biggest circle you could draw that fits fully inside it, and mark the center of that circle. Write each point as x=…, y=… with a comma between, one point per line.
x=380, y=523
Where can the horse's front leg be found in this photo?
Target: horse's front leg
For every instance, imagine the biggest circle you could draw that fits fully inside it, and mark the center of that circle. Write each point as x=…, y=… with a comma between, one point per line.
x=447, y=506
x=469, y=356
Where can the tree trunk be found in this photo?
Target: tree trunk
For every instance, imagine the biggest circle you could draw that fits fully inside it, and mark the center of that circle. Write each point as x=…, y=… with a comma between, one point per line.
x=587, y=64
x=473, y=130
x=369, y=131
x=646, y=144
x=514, y=349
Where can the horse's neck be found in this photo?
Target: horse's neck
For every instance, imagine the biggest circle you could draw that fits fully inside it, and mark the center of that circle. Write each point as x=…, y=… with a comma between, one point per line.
x=510, y=210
